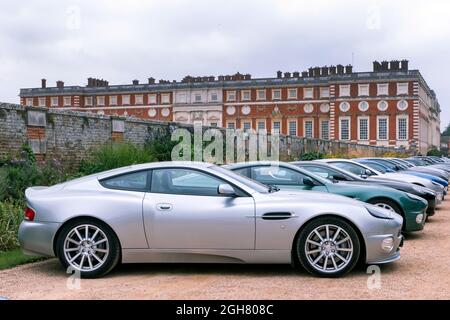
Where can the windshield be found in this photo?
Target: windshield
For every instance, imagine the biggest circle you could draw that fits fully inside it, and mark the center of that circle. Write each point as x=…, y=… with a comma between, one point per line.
x=259, y=187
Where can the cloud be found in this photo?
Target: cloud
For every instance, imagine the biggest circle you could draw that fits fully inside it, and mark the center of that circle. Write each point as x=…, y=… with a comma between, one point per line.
x=123, y=40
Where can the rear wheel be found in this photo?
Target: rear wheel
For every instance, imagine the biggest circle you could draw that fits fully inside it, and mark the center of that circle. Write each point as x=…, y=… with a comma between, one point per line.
x=328, y=247
x=88, y=246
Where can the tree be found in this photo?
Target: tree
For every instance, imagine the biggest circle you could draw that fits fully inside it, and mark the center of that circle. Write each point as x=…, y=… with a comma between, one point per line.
x=446, y=132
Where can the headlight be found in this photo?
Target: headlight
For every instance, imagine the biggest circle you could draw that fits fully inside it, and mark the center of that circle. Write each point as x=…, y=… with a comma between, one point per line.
x=419, y=218
x=380, y=213
x=387, y=244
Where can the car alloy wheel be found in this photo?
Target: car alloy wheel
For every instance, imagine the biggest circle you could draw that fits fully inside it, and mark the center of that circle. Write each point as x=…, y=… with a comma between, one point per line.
x=329, y=248
x=86, y=247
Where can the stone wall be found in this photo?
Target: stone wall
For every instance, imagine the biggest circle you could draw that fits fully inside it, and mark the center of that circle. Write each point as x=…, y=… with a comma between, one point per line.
x=69, y=136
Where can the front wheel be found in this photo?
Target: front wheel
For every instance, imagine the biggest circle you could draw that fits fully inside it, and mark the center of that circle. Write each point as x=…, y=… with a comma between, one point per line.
x=328, y=247
x=89, y=247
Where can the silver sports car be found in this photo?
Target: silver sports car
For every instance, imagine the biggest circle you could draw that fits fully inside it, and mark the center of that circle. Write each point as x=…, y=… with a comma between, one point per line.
x=199, y=212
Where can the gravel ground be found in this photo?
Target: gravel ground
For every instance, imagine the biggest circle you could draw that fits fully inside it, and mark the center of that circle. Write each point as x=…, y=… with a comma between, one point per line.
x=421, y=273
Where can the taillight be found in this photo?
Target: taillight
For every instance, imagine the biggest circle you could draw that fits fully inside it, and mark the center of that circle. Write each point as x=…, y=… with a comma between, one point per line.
x=29, y=214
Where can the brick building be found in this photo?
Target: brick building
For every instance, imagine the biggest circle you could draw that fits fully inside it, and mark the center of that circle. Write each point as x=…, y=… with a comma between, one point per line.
x=388, y=106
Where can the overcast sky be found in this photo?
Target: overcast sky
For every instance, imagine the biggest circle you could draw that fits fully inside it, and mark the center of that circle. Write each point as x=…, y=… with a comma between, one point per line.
x=125, y=40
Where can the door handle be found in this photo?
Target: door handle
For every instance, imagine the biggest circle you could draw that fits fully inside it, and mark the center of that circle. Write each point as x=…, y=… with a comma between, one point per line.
x=164, y=206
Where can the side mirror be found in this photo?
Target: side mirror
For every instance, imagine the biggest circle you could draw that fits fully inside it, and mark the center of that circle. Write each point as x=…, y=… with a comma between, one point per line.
x=367, y=172
x=226, y=190
x=307, y=181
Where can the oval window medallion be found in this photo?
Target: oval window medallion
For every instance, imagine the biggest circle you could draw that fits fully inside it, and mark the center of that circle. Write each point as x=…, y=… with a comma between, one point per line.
x=308, y=108
x=165, y=112
x=402, y=105
x=152, y=112
x=245, y=110
x=324, y=107
x=344, y=106
x=382, y=105
x=363, y=106
x=231, y=110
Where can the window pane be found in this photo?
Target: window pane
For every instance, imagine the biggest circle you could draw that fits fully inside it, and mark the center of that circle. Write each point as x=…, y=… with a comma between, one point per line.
x=131, y=181
x=308, y=129
x=382, y=129
x=350, y=167
x=325, y=130
x=345, y=129
x=276, y=126
x=184, y=181
x=293, y=128
x=402, y=127
x=277, y=176
x=363, y=129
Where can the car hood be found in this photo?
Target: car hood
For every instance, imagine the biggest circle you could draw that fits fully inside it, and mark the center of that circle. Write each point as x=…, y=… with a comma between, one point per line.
x=314, y=196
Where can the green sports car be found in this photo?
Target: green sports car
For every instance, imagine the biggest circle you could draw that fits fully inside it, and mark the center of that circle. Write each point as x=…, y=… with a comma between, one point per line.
x=286, y=176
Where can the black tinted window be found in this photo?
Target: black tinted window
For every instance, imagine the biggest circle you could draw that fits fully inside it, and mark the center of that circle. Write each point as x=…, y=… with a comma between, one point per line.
x=273, y=175
x=136, y=181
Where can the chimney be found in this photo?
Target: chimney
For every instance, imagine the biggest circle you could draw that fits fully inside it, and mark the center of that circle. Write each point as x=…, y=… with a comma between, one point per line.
x=212, y=78
x=287, y=74
x=151, y=80
x=221, y=78
x=311, y=72
x=324, y=71
x=405, y=65
x=248, y=76
x=384, y=66
x=296, y=74
x=43, y=83
x=59, y=84
x=340, y=69
x=227, y=78
x=376, y=66
x=304, y=74
x=317, y=72
x=332, y=70
x=135, y=82
x=348, y=69
x=279, y=74
x=395, y=65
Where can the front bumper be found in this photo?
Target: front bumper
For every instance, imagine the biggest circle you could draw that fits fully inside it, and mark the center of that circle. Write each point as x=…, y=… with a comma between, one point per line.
x=411, y=224
x=376, y=255
x=36, y=238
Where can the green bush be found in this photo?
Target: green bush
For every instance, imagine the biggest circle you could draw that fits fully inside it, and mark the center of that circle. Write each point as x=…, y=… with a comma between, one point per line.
x=309, y=156
x=11, y=214
x=435, y=153
x=113, y=156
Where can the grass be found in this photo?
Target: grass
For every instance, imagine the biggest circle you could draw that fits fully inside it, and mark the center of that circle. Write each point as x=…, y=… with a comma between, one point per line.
x=15, y=257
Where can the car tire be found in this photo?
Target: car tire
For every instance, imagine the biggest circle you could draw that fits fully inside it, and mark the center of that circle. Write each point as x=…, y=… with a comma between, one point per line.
x=328, y=259
x=89, y=247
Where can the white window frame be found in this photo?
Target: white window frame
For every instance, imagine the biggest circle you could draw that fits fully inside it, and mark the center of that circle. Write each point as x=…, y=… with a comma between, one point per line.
x=126, y=97
x=244, y=93
x=100, y=100
x=401, y=90
x=405, y=117
x=324, y=92
x=88, y=101
x=246, y=122
x=308, y=93
x=296, y=127
x=273, y=94
x=349, y=128
x=231, y=122
x=29, y=102
x=139, y=97
x=292, y=90
x=381, y=92
x=67, y=99
x=52, y=101
x=261, y=91
x=42, y=102
x=152, y=98
x=363, y=90
x=257, y=125
x=273, y=126
x=165, y=98
x=212, y=94
x=305, y=121
x=344, y=90
x=231, y=95
x=368, y=128
x=113, y=100
x=327, y=121
x=378, y=128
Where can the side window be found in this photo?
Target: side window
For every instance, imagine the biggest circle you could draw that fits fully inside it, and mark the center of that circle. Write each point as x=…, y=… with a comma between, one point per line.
x=136, y=181
x=327, y=173
x=273, y=175
x=185, y=182
x=243, y=172
x=350, y=167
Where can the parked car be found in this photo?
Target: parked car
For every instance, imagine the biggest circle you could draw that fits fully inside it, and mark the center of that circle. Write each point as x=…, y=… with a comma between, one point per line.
x=198, y=212
x=369, y=171
x=287, y=176
x=397, y=167
x=434, y=171
x=336, y=174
